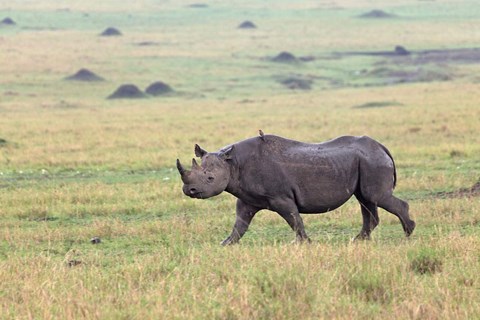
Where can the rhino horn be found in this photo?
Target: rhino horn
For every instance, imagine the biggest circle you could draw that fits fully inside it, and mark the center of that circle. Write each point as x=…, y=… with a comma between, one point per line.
x=194, y=164
x=180, y=168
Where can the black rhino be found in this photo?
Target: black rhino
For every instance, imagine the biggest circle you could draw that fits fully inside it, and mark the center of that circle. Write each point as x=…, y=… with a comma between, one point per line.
x=291, y=177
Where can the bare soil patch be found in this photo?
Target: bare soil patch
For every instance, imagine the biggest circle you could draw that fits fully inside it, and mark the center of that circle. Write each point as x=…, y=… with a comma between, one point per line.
x=147, y=43
x=307, y=58
x=439, y=56
x=198, y=5
x=159, y=88
x=296, y=83
x=397, y=51
x=127, y=91
x=111, y=32
x=405, y=75
x=465, y=55
x=473, y=191
x=84, y=75
x=378, y=104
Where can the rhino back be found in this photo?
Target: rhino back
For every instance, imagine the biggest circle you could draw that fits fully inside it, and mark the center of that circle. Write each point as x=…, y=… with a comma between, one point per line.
x=320, y=177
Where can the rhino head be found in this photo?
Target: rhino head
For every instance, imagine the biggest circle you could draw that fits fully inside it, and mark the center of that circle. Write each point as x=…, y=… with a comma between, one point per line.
x=208, y=179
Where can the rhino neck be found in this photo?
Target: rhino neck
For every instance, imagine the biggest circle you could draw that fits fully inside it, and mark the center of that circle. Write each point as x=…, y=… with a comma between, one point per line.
x=233, y=186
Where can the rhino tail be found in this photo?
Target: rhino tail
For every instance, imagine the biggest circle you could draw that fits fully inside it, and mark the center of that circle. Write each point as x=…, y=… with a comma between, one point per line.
x=394, y=167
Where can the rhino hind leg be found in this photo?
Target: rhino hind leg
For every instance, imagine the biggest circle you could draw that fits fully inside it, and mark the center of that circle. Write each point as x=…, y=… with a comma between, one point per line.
x=399, y=208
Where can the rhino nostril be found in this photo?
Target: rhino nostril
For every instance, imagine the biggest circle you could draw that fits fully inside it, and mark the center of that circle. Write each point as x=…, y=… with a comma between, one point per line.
x=193, y=190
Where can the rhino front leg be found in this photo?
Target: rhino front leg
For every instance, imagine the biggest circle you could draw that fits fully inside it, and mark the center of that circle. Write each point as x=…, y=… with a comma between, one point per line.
x=245, y=214
x=289, y=212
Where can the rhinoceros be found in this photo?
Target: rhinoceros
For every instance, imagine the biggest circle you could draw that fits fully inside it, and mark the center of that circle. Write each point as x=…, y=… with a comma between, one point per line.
x=292, y=177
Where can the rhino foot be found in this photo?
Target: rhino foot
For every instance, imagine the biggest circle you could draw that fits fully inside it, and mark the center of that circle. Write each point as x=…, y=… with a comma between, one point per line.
x=300, y=240
x=409, y=227
x=362, y=236
x=229, y=241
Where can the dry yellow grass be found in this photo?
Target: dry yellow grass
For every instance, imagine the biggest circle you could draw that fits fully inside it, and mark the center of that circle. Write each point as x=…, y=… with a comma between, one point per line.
x=75, y=165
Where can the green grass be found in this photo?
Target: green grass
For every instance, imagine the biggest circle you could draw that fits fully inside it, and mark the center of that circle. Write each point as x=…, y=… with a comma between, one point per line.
x=74, y=165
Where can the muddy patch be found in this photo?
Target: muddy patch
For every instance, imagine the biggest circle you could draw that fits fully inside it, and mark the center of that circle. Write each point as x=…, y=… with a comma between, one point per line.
x=296, y=82
x=84, y=75
x=198, y=5
x=389, y=76
x=377, y=14
x=111, y=32
x=307, y=58
x=396, y=52
x=247, y=25
x=378, y=104
x=473, y=191
x=402, y=55
x=467, y=55
x=147, y=43
x=159, y=88
x=127, y=91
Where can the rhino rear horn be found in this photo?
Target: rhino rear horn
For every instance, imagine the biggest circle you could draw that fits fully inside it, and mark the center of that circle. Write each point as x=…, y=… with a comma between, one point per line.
x=194, y=164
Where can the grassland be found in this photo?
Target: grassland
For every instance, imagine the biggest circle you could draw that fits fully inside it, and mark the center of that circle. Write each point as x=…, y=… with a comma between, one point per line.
x=75, y=165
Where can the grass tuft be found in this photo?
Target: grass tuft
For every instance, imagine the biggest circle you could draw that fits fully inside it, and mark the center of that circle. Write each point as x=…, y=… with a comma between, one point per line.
x=426, y=261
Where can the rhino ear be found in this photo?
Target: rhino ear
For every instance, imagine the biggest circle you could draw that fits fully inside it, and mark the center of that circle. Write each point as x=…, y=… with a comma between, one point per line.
x=199, y=152
x=226, y=154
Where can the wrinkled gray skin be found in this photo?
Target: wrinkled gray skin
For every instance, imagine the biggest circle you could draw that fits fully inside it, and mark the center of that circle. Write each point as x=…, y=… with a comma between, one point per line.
x=291, y=177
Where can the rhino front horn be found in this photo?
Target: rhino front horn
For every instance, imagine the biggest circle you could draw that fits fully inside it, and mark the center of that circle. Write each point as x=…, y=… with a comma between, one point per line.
x=180, y=168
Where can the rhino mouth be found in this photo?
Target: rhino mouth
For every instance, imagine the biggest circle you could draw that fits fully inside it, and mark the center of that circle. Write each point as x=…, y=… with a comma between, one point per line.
x=197, y=195
x=192, y=192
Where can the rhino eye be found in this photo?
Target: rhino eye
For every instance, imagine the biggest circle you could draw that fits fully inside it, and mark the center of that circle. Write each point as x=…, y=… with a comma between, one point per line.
x=210, y=179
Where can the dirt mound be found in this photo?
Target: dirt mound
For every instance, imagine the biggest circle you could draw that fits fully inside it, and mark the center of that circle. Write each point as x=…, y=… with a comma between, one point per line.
x=285, y=57
x=295, y=83
x=473, y=191
x=8, y=21
x=401, y=51
x=127, y=91
x=247, y=25
x=158, y=88
x=109, y=32
x=85, y=75
x=377, y=14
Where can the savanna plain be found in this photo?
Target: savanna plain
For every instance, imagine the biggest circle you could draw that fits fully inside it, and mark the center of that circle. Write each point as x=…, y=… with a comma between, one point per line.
x=75, y=165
